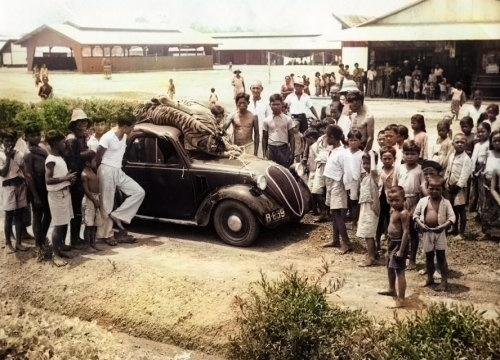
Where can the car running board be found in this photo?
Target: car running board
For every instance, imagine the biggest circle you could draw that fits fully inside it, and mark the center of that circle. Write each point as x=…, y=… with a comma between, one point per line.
x=170, y=221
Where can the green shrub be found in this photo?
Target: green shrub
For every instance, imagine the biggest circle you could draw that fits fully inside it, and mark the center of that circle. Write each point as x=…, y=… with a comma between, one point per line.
x=445, y=333
x=8, y=111
x=289, y=318
x=56, y=114
x=29, y=114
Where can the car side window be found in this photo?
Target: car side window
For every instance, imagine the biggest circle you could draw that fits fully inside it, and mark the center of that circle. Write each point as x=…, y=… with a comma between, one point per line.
x=152, y=150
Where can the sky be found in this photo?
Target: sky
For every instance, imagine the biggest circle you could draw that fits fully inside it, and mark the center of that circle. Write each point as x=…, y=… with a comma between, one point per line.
x=296, y=16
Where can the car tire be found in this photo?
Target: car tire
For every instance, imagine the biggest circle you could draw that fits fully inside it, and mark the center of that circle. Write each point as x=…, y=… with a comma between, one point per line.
x=242, y=218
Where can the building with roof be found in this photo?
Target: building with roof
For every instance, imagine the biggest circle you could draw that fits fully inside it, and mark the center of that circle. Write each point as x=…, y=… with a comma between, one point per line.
x=85, y=49
x=254, y=48
x=462, y=36
x=12, y=54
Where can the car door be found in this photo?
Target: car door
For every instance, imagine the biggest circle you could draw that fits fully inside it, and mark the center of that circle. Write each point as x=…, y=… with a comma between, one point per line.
x=156, y=165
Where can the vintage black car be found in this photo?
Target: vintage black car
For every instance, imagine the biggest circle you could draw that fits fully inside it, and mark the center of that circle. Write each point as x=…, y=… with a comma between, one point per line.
x=187, y=187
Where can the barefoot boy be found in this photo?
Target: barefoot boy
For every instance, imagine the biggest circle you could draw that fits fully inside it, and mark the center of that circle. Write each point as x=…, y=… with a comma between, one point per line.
x=399, y=234
x=13, y=191
x=58, y=181
x=433, y=215
x=90, y=203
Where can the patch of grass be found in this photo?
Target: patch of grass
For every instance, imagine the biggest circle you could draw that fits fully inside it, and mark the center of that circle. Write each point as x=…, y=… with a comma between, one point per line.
x=289, y=318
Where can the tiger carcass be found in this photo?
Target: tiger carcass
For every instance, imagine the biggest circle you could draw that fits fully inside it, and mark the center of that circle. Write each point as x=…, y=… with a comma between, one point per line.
x=194, y=120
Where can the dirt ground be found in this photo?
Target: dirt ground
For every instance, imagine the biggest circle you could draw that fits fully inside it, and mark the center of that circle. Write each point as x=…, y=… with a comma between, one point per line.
x=177, y=284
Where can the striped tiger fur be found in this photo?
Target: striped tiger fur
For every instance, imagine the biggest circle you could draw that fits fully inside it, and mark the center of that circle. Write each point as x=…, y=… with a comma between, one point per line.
x=195, y=121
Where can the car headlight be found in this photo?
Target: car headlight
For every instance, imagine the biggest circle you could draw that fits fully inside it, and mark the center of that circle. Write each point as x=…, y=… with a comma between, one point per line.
x=261, y=182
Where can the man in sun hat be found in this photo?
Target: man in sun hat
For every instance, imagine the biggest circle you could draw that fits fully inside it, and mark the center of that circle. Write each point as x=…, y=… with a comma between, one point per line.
x=258, y=106
x=77, y=152
x=238, y=83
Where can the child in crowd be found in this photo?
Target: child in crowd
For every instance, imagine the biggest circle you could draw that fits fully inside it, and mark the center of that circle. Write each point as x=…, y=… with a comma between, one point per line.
x=467, y=126
x=13, y=192
x=336, y=194
x=385, y=181
x=407, y=85
x=416, y=88
x=381, y=139
x=213, y=99
x=319, y=151
x=426, y=90
x=100, y=129
x=442, y=149
x=443, y=90
x=58, y=181
x=171, y=89
x=352, y=173
x=457, y=175
x=402, y=136
x=401, y=88
x=399, y=235
x=369, y=206
x=492, y=117
x=34, y=169
x=433, y=215
x=391, y=140
x=457, y=99
x=411, y=178
x=420, y=134
x=490, y=215
x=317, y=83
x=479, y=156
x=90, y=203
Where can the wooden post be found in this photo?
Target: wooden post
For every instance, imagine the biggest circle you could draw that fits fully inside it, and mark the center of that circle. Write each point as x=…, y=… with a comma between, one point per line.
x=269, y=67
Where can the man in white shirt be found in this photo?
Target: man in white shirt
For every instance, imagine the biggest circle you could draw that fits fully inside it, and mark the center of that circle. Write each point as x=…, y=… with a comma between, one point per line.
x=475, y=109
x=371, y=74
x=112, y=146
x=299, y=103
x=258, y=107
x=278, y=135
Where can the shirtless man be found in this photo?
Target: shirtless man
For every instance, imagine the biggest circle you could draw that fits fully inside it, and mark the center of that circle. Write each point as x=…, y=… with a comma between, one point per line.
x=238, y=83
x=287, y=88
x=433, y=215
x=399, y=233
x=244, y=123
x=361, y=119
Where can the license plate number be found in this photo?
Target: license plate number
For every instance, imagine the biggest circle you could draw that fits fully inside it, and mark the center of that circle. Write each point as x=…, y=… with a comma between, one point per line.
x=275, y=215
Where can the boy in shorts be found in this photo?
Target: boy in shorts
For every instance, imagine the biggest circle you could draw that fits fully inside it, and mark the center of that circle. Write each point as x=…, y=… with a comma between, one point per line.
x=13, y=191
x=433, y=215
x=399, y=235
x=90, y=204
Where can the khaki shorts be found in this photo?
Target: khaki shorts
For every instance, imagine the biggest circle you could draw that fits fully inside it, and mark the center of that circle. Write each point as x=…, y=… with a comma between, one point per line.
x=91, y=214
x=434, y=241
x=336, y=195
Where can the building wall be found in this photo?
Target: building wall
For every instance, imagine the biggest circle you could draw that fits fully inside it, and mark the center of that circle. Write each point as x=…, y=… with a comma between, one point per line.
x=140, y=63
x=357, y=54
x=15, y=57
x=440, y=11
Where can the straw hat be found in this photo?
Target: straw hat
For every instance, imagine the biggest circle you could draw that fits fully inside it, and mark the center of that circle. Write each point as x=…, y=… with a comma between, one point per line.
x=349, y=86
x=78, y=114
x=298, y=81
x=256, y=84
x=237, y=71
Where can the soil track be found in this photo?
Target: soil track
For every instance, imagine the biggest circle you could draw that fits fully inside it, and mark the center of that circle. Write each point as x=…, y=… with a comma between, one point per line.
x=177, y=284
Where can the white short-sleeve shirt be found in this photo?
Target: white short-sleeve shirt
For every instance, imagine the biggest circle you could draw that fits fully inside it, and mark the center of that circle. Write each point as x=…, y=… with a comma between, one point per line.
x=298, y=106
x=115, y=149
x=277, y=128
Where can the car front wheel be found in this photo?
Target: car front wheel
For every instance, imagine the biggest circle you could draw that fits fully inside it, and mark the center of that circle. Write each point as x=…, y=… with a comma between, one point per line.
x=235, y=223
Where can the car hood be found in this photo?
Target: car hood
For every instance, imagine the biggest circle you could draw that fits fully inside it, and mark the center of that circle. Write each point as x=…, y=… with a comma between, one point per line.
x=245, y=165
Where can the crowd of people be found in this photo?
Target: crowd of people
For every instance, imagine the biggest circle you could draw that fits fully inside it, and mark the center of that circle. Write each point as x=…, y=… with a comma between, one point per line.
x=66, y=180
x=410, y=191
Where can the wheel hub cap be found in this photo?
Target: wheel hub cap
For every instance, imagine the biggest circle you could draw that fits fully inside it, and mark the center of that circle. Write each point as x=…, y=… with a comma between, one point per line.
x=234, y=223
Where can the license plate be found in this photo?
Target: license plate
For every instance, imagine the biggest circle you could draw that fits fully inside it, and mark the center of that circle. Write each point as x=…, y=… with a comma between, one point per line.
x=275, y=215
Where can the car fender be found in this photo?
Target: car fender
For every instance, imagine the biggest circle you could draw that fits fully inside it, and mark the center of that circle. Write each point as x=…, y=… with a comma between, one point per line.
x=259, y=205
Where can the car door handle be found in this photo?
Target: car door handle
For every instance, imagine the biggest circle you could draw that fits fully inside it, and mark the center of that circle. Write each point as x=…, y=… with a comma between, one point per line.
x=182, y=174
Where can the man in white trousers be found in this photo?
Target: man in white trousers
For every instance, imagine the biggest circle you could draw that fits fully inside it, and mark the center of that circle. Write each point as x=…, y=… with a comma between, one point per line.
x=110, y=153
